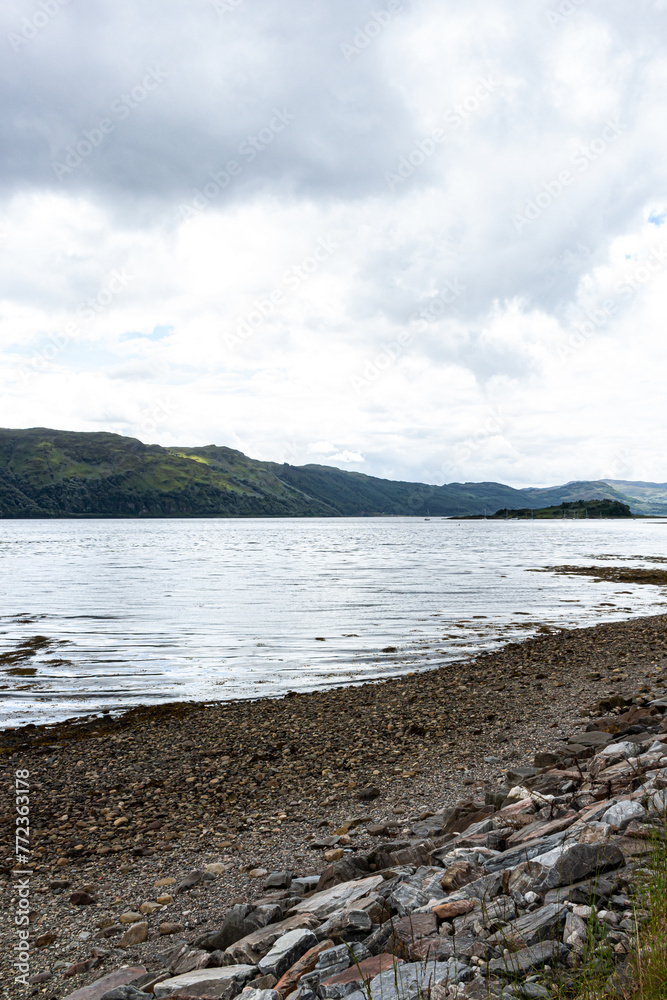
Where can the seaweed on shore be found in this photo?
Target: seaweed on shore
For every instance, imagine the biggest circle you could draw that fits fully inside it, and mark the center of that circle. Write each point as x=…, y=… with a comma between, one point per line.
x=613, y=574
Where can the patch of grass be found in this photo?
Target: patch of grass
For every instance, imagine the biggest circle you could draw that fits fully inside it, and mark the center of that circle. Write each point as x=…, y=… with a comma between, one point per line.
x=643, y=976
x=649, y=963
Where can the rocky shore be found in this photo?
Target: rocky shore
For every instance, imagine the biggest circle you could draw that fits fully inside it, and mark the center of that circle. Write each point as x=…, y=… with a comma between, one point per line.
x=445, y=821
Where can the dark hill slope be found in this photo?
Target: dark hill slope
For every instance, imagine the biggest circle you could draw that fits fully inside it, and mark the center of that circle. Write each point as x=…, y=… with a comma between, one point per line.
x=50, y=473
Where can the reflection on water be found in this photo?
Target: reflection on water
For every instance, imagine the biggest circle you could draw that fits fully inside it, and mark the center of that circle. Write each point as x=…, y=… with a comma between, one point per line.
x=108, y=614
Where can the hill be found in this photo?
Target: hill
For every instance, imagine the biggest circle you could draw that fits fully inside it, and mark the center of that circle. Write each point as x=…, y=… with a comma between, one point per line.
x=574, y=510
x=51, y=473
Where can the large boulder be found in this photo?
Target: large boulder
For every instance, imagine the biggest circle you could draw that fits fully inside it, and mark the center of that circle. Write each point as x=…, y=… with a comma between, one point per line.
x=232, y=978
x=575, y=862
x=287, y=950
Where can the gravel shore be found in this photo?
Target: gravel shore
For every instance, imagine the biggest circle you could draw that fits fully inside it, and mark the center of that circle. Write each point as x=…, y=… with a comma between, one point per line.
x=120, y=804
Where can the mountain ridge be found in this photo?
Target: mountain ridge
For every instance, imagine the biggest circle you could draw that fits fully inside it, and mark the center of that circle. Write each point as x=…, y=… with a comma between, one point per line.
x=48, y=473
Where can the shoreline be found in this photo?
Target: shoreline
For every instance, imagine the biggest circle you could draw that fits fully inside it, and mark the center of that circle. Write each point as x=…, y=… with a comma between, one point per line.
x=156, y=792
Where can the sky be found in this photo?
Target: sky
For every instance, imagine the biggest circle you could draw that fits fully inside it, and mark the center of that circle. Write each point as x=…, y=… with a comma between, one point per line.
x=421, y=240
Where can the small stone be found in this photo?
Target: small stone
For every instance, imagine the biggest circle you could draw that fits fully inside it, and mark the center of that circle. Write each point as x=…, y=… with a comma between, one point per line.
x=216, y=868
x=41, y=977
x=135, y=934
x=44, y=940
x=368, y=793
x=111, y=930
x=189, y=882
x=278, y=880
x=447, y=911
x=335, y=854
x=148, y=908
x=168, y=928
x=81, y=899
x=78, y=967
x=130, y=917
x=165, y=900
x=258, y=873
x=162, y=882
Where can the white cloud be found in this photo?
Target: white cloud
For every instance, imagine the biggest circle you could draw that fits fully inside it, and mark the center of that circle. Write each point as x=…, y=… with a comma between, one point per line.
x=309, y=310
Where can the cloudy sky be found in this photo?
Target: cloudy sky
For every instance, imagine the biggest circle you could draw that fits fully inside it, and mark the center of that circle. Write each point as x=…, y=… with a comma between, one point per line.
x=423, y=240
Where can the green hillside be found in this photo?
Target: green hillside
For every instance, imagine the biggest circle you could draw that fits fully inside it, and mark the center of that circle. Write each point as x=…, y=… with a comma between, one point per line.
x=572, y=510
x=50, y=473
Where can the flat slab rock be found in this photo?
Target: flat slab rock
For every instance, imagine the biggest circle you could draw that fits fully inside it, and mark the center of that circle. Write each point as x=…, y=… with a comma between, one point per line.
x=413, y=981
x=366, y=970
x=323, y=904
x=122, y=977
x=546, y=922
x=287, y=950
x=537, y=956
x=217, y=977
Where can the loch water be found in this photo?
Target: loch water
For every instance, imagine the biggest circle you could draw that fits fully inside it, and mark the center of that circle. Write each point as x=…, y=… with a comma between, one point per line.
x=101, y=615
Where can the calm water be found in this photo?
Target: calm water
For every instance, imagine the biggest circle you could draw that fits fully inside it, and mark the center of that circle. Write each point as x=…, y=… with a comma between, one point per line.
x=137, y=612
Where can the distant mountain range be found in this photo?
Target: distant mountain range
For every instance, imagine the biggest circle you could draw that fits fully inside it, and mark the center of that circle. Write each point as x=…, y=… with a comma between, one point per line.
x=48, y=473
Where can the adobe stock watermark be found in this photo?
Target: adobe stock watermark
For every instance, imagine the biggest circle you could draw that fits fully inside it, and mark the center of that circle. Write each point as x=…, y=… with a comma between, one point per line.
x=454, y=117
x=226, y=6
x=365, y=34
x=292, y=280
x=471, y=446
x=88, y=310
x=621, y=467
x=557, y=15
x=249, y=148
x=32, y=26
x=389, y=354
x=154, y=415
x=121, y=109
x=554, y=189
x=596, y=319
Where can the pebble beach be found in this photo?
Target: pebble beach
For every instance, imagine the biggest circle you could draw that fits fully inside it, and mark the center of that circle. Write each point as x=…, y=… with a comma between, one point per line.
x=122, y=805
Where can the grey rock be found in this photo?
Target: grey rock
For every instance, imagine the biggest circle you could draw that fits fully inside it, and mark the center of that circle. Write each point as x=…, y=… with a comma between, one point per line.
x=486, y=888
x=336, y=991
x=256, y=945
x=253, y=994
x=622, y=813
x=417, y=890
x=263, y=915
x=333, y=957
x=125, y=993
x=434, y=826
x=518, y=775
x=190, y=881
x=287, y=950
x=540, y=925
x=590, y=891
x=453, y=972
x=324, y=903
x=531, y=991
x=501, y=911
x=303, y=991
x=233, y=929
x=377, y=941
x=575, y=862
x=191, y=959
x=527, y=852
x=278, y=880
x=346, y=922
x=233, y=975
x=592, y=739
x=404, y=982
x=307, y=883
x=519, y=963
